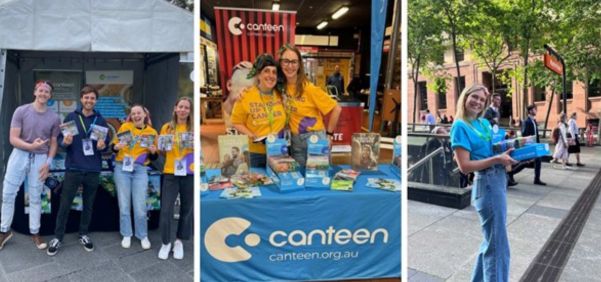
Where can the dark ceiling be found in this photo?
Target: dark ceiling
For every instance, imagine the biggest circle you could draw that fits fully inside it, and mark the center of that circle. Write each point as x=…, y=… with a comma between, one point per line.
x=309, y=12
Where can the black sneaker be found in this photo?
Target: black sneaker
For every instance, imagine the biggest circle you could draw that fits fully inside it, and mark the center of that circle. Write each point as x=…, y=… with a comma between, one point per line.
x=55, y=244
x=85, y=241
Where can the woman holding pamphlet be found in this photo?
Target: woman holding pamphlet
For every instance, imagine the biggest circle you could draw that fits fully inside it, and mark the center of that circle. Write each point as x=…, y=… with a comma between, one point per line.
x=178, y=178
x=471, y=141
x=135, y=147
x=306, y=104
x=259, y=112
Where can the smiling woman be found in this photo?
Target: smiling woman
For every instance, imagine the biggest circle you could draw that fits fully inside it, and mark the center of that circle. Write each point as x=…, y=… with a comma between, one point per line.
x=260, y=111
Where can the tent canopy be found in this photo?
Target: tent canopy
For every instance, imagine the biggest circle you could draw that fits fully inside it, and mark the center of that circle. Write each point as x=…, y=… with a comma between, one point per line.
x=95, y=26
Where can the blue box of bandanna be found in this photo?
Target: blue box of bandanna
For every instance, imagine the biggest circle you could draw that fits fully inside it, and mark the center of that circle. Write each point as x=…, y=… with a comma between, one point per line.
x=531, y=151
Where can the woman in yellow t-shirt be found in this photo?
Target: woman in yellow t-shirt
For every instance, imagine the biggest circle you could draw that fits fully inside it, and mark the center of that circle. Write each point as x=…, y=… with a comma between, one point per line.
x=178, y=177
x=306, y=104
x=259, y=112
x=135, y=145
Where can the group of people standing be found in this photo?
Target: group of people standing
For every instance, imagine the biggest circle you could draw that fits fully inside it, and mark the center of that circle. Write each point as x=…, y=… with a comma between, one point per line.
x=282, y=102
x=36, y=136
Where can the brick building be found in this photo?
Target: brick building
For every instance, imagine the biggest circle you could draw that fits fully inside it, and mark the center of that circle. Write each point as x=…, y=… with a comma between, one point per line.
x=473, y=72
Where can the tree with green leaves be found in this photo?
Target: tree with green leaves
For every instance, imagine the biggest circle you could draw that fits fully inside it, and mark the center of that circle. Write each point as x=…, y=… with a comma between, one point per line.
x=424, y=42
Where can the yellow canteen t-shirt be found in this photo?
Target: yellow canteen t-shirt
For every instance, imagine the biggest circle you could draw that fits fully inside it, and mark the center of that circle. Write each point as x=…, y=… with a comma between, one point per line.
x=138, y=153
x=307, y=110
x=253, y=110
x=176, y=152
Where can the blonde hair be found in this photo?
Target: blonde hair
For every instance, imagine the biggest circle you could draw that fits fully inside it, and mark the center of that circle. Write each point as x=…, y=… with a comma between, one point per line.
x=189, y=122
x=460, y=111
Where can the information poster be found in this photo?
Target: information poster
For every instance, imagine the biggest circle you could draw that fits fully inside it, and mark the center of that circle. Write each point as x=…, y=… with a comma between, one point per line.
x=115, y=89
x=66, y=83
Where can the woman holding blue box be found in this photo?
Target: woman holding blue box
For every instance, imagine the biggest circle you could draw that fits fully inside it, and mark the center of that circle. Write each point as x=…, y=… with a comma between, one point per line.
x=471, y=141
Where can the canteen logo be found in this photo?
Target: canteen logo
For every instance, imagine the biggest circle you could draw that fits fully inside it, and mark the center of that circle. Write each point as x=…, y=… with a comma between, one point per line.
x=235, y=25
x=217, y=234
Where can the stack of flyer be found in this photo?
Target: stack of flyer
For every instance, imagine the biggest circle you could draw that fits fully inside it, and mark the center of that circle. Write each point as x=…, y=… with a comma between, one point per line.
x=69, y=128
x=218, y=183
x=240, y=193
x=384, y=184
x=318, y=163
x=344, y=180
x=282, y=168
x=250, y=179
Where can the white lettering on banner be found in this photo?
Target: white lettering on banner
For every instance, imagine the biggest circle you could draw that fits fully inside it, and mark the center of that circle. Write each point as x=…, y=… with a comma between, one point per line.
x=235, y=25
x=217, y=234
x=297, y=237
x=279, y=257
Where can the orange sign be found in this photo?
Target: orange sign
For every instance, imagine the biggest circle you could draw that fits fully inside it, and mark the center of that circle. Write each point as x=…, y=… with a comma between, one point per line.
x=552, y=63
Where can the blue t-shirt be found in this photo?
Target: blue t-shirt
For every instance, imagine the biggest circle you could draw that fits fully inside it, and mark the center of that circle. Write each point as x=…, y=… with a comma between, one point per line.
x=472, y=137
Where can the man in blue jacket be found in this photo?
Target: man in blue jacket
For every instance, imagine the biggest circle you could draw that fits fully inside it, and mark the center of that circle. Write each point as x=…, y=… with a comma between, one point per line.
x=83, y=165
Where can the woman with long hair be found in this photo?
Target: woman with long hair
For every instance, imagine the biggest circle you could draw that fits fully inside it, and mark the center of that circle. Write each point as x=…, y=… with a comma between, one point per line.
x=135, y=146
x=561, y=147
x=471, y=136
x=306, y=104
x=178, y=178
x=259, y=112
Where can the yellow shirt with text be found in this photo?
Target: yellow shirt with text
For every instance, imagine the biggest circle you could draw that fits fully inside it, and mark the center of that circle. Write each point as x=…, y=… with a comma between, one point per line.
x=177, y=153
x=252, y=110
x=139, y=154
x=307, y=110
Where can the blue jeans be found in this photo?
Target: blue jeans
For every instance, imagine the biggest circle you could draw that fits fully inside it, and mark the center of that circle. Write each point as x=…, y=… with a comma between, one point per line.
x=490, y=200
x=23, y=165
x=132, y=188
x=298, y=150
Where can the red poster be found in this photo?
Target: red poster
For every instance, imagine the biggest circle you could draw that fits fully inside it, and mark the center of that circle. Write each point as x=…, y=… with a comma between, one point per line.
x=242, y=34
x=349, y=122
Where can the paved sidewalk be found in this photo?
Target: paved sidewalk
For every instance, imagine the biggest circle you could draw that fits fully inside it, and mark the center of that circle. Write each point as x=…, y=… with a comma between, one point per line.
x=21, y=261
x=443, y=242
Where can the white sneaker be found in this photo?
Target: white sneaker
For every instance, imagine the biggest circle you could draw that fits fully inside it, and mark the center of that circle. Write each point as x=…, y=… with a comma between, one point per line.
x=145, y=243
x=164, y=252
x=126, y=242
x=178, y=250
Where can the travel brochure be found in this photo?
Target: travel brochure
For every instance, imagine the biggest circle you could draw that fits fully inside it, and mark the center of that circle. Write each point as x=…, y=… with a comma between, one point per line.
x=240, y=193
x=344, y=180
x=384, y=184
x=186, y=140
x=99, y=132
x=365, y=151
x=69, y=128
x=125, y=137
x=218, y=182
x=165, y=142
x=250, y=179
x=283, y=163
x=146, y=140
x=233, y=154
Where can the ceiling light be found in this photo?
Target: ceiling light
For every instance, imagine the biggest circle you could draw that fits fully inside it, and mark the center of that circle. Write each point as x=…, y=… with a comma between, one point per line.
x=322, y=24
x=275, y=6
x=340, y=12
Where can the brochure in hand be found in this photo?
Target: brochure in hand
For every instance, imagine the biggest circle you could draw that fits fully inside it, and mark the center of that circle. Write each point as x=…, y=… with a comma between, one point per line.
x=240, y=193
x=186, y=140
x=99, y=132
x=146, y=140
x=125, y=137
x=69, y=128
x=384, y=184
x=165, y=142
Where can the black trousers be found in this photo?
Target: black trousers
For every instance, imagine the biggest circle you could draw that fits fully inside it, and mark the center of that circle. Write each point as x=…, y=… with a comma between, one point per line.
x=518, y=167
x=72, y=181
x=172, y=186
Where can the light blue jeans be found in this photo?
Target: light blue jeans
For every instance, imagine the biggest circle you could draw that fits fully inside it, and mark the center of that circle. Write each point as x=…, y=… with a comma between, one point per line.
x=298, y=150
x=22, y=165
x=489, y=197
x=132, y=188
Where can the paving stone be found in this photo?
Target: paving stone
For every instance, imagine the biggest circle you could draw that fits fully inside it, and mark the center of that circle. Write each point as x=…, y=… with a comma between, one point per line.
x=424, y=277
x=107, y=271
x=160, y=272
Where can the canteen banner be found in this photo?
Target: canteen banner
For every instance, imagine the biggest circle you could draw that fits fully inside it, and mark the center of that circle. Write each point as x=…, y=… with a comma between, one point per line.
x=242, y=34
x=301, y=238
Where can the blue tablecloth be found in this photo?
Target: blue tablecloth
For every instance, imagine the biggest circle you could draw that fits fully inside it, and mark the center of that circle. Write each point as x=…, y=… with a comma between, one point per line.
x=303, y=235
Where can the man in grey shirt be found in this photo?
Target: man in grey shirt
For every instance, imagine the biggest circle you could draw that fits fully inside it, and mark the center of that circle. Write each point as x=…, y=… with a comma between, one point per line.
x=33, y=133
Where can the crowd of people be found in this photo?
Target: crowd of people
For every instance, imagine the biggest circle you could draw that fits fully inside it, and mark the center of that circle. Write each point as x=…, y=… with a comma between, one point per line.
x=36, y=137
